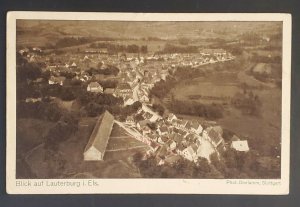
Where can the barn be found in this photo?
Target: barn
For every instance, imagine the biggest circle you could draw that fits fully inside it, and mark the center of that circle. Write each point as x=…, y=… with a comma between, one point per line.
x=96, y=146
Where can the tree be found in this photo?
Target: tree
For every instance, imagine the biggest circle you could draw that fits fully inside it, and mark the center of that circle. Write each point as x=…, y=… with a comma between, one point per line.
x=159, y=108
x=30, y=71
x=67, y=94
x=144, y=49
x=183, y=41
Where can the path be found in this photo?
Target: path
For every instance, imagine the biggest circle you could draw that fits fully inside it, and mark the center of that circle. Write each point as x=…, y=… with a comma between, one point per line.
x=126, y=148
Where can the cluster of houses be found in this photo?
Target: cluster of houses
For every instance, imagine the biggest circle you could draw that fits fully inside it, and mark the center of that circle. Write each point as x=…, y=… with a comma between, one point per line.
x=169, y=136
x=172, y=137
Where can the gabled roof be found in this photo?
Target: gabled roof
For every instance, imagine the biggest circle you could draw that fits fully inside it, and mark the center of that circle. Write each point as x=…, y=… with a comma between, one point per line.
x=109, y=90
x=123, y=86
x=194, y=125
x=177, y=138
x=163, y=128
x=241, y=145
x=101, y=132
x=57, y=79
x=214, y=136
x=143, y=123
x=94, y=85
x=194, y=147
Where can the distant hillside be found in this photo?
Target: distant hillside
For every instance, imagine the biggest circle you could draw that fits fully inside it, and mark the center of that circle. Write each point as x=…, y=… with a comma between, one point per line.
x=40, y=32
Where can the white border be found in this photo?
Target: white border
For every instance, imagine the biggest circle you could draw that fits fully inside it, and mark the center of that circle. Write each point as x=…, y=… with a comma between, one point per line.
x=155, y=186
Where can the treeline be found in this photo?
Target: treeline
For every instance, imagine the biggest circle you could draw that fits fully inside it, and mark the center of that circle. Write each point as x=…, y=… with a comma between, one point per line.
x=169, y=48
x=265, y=59
x=109, y=70
x=230, y=165
x=182, y=168
x=233, y=164
x=95, y=104
x=234, y=49
x=185, y=73
x=248, y=102
x=63, y=129
x=39, y=110
x=162, y=88
x=115, y=48
x=72, y=41
x=209, y=111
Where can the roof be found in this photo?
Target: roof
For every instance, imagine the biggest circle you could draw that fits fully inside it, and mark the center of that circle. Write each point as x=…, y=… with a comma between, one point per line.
x=180, y=146
x=194, y=147
x=218, y=129
x=171, y=116
x=241, y=146
x=194, y=124
x=214, y=136
x=101, y=132
x=164, y=138
x=109, y=90
x=143, y=122
x=235, y=138
x=177, y=138
x=123, y=86
x=57, y=79
x=94, y=85
x=163, y=128
x=173, y=158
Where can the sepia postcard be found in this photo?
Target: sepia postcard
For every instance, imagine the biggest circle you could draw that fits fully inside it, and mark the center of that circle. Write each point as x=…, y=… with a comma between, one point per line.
x=152, y=103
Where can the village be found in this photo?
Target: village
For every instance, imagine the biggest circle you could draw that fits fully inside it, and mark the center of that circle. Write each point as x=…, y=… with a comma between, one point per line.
x=167, y=136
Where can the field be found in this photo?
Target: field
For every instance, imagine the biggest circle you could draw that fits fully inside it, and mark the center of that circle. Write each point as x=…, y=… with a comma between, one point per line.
x=117, y=160
x=263, y=131
x=204, y=89
x=30, y=133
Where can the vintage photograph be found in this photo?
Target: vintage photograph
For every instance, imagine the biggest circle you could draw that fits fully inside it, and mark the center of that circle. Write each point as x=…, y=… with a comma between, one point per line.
x=99, y=99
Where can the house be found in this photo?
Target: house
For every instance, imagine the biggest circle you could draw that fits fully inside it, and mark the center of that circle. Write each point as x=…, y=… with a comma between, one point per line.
x=73, y=65
x=56, y=80
x=130, y=120
x=103, y=50
x=109, y=91
x=155, y=117
x=214, y=135
x=177, y=138
x=162, y=152
x=179, y=131
x=195, y=127
x=172, y=159
x=95, y=87
x=180, y=123
x=207, y=52
x=190, y=153
x=180, y=147
x=123, y=89
x=153, y=137
x=96, y=146
x=191, y=138
x=240, y=145
x=128, y=101
x=142, y=123
x=147, y=115
x=144, y=98
x=171, y=144
x=33, y=100
x=162, y=139
x=171, y=117
x=163, y=130
x=146, y=130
